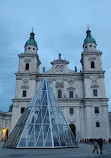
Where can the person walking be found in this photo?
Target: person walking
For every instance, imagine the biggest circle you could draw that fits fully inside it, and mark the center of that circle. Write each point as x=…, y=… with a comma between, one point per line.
x=100, y=142
x=95, y=146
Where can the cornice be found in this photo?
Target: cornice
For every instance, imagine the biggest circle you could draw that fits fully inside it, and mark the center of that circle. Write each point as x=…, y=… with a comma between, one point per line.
x=25, y=74
x=63, y=74
x=93, y=72
x=95, y=99
x=31, y=76
x=5, y=113
x=72, y=100
x=21, y=100
x=91, y=53
x=28, y=55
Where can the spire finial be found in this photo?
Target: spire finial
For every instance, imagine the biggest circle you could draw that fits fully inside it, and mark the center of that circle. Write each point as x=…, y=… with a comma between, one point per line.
x=32, y=29
x=59, y=55
x=88, y=27
x=32, y=34
x=88, y=31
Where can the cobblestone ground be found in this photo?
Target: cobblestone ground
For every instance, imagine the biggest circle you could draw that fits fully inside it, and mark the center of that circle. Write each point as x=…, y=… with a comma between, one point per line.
x=84, y=151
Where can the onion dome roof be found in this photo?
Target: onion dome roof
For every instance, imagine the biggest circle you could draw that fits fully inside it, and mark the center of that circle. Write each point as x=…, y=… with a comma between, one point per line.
x=31, y=40
x=89, y=38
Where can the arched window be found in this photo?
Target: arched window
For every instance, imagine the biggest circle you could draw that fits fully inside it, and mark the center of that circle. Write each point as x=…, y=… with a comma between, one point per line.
x=59, y=93
x=73, y=129
x=27, y=67
x=92, y=64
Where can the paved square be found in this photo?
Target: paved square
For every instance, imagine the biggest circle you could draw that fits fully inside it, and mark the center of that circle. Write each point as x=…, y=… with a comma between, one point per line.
x=84, y=151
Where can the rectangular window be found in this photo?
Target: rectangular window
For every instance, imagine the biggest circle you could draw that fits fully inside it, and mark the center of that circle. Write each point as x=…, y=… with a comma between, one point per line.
x=95, y=92
x=96, y=110
x=97, y=124
x=22, y=109
x=70, y=94
x=24, y=93
x=71, y=110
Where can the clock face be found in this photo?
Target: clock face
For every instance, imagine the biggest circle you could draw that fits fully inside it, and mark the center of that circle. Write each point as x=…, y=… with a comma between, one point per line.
x=59, y=68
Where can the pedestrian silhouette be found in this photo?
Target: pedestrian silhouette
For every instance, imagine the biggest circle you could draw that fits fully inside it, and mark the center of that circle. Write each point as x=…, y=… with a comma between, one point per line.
x=95, y=146
x=100, y=142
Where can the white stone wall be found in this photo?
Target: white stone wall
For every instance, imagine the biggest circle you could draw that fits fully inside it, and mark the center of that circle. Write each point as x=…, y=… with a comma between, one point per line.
x=16, y=111
x=93, y=82
x=88, y=57
x=93, y=79
x=61, y=77
x=30, y=49
x=31, y=59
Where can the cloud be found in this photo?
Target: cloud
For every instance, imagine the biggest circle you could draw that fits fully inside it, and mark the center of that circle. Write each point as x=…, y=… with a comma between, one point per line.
x=60, y=27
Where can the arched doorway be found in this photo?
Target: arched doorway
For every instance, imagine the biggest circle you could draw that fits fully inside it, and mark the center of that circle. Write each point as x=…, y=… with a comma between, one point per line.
x=73, y=129
x=5, y=134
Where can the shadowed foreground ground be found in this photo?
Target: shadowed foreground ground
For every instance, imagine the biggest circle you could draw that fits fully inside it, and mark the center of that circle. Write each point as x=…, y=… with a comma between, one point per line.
x=84, y=151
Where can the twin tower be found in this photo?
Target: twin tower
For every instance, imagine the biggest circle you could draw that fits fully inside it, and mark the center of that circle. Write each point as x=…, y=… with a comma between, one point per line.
x=81, y=95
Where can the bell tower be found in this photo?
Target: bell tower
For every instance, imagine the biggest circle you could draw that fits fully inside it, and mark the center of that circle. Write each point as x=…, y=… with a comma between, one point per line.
x=91, y=57
x=92, y=68
x=94, y=98
x=26, y=78
x=29, y=60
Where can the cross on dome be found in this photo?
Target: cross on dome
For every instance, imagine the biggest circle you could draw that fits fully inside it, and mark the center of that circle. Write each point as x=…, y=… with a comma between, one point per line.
x=32, y=29
x=88, y=27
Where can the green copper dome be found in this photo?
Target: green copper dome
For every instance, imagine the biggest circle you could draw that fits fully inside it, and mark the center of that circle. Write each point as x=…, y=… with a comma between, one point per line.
x=31, y=40
x=89, y=38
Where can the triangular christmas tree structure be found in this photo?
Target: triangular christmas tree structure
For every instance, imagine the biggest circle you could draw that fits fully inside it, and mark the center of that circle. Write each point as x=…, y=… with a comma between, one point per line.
x=43, y=124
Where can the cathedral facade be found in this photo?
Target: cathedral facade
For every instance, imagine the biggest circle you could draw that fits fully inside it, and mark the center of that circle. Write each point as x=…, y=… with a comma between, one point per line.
x=81, y=95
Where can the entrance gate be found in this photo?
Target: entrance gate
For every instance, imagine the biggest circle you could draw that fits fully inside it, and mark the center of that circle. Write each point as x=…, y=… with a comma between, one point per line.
x=73, y=129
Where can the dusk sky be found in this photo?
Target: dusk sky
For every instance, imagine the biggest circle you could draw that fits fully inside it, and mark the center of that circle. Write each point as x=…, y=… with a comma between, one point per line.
x=60, y=27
